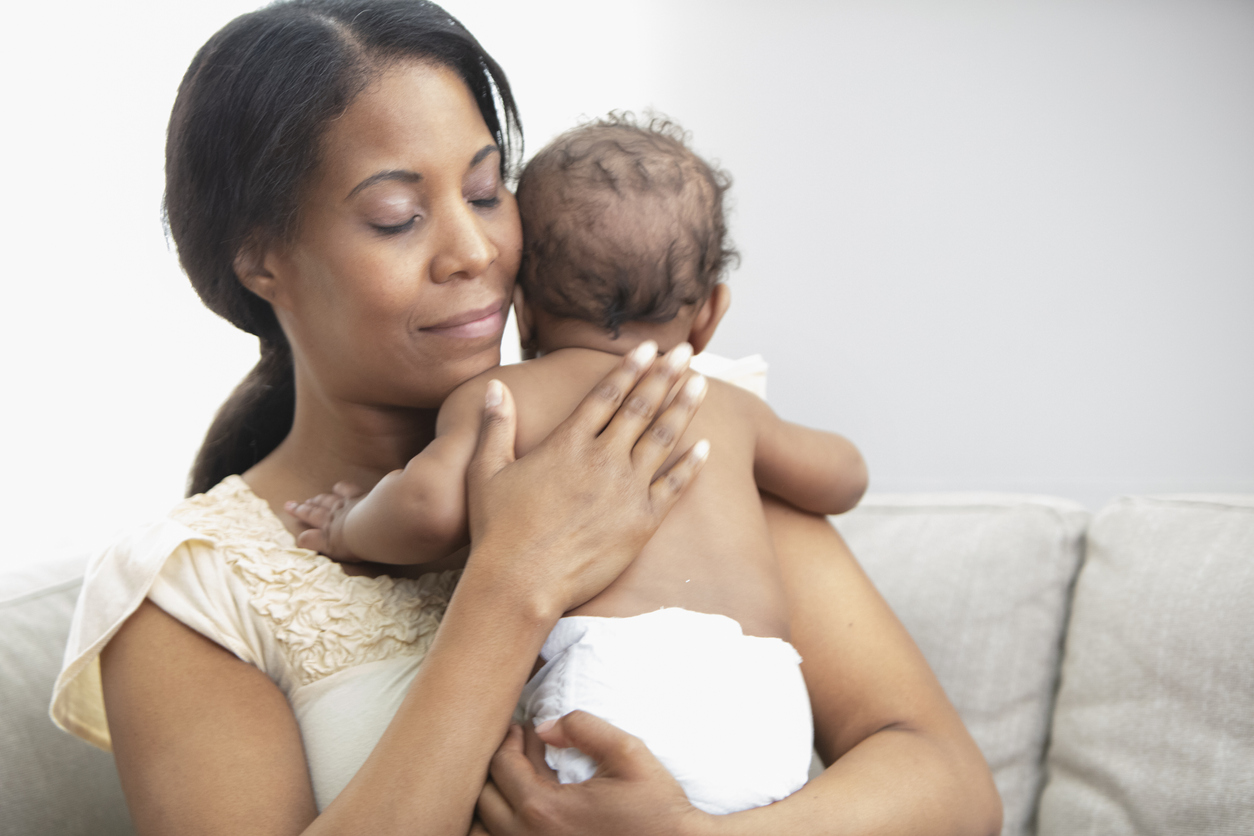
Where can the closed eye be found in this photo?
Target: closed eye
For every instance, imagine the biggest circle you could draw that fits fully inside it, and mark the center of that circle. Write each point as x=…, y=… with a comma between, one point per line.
x=393, y=230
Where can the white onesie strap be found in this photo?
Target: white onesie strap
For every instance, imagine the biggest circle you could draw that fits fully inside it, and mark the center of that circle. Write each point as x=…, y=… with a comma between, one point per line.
x=115, y=583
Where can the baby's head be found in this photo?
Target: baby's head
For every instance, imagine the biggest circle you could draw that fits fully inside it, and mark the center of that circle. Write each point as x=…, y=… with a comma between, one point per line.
x=623, y=226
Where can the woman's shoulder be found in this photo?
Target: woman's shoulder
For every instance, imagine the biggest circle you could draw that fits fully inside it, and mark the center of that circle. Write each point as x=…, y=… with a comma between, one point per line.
x=223, y=564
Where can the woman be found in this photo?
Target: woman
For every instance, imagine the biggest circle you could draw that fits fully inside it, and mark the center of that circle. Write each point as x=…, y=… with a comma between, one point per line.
x=336, y=186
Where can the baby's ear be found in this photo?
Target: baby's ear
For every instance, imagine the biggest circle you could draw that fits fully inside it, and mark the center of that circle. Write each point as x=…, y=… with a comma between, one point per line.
x=709, y=315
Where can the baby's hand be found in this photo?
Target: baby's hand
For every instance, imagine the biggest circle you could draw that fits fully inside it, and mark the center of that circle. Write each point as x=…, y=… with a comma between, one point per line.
x=325, y=515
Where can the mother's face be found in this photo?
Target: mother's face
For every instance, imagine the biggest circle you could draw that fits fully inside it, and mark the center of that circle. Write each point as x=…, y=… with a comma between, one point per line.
x=397, y=285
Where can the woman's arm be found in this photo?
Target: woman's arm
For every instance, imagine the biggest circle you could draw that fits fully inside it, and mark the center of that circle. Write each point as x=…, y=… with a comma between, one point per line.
x=901, y=760
x=207, y=744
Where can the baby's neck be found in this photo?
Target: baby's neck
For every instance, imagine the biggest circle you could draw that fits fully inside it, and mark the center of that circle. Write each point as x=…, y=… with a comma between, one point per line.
x=555, y=334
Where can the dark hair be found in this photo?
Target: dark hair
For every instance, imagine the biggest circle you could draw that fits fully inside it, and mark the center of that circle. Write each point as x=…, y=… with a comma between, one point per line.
x=622, y=222
x=244, y=136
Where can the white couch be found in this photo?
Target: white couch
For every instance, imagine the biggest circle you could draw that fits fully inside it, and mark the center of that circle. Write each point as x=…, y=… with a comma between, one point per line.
x=1105, y=665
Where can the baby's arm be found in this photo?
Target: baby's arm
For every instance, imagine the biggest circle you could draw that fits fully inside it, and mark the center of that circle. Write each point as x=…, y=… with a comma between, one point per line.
x=413, y=515
x=817, y=471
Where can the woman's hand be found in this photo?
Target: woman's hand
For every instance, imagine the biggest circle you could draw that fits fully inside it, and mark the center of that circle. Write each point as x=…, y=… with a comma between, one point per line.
x=568, y=517
x=630, y=794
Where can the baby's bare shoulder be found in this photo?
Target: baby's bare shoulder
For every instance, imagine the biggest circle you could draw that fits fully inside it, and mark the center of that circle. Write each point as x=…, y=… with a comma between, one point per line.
x=739, y=404
x=516, y=376
x=545, y=390
x=463, y=408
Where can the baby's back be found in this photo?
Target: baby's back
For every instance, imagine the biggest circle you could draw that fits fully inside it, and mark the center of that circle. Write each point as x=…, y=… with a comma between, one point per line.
x=712, y=553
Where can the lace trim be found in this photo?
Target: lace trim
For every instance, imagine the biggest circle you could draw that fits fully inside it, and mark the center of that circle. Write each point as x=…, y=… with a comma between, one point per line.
x=324, y=620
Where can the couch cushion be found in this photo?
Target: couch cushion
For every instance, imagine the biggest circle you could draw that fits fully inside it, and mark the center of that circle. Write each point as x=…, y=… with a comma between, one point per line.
x=1154, y=729
x=981, y=581
x=50, y=782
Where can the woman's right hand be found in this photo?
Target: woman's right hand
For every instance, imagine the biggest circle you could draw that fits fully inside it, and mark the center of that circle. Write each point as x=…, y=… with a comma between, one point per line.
x=631, y=793
x=566, y=519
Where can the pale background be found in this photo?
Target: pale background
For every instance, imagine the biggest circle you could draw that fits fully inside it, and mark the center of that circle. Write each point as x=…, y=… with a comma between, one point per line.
x=1002, y=245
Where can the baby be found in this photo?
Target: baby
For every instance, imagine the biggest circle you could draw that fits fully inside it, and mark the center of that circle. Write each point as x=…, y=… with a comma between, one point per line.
x=625, y=242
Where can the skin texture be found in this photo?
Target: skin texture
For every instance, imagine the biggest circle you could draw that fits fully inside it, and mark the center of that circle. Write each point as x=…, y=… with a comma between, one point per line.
x=374, y=269
x=901, y=759
x=712, y=555
x=207, y=744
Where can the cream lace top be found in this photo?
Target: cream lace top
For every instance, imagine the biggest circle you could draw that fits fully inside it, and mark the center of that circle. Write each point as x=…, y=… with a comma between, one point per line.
x=342, y=648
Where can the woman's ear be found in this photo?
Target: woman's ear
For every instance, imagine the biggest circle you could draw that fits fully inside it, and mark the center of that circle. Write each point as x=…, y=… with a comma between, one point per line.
x=255, y=270
x=708, y=317
x=526, y=323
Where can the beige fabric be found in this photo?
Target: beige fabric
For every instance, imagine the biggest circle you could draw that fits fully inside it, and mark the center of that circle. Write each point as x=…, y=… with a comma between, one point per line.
x=981, y=581
x=1154, y=732
x=224, y=565
x=115, y=583
x=322, y=621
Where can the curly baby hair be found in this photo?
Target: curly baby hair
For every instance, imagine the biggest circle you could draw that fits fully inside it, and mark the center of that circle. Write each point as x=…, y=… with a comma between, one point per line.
x=622, y=222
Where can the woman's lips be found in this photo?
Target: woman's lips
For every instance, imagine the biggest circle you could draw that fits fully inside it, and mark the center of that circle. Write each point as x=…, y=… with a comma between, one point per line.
x=477, y=323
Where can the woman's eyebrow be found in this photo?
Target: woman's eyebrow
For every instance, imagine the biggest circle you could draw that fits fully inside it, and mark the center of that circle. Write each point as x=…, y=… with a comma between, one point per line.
x=403, y=175
x=483, y=153
x=406, y=176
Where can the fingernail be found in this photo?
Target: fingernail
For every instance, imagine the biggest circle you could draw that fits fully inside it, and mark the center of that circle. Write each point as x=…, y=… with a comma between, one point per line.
x=679, y=356
x=496, y=392
x=643, y=354
x=289, y=505
x=541, y=728
x=695, y=387
x=701, y=449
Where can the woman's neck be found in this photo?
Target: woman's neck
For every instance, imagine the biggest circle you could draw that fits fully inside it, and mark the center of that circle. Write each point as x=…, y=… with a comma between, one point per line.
x=334, y=441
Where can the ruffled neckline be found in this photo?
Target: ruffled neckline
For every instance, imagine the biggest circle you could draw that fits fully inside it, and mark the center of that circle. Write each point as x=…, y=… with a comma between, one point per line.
x=324, y=620
x=234, y=490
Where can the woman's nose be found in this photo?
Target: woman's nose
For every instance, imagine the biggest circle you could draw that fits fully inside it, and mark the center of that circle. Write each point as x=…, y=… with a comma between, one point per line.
x=465, y=250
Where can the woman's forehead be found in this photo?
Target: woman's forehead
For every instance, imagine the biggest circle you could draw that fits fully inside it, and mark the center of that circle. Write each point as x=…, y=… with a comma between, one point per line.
x=415, y=116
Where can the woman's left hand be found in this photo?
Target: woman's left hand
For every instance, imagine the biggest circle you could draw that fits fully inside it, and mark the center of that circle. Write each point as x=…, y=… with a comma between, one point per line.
x=631, y=793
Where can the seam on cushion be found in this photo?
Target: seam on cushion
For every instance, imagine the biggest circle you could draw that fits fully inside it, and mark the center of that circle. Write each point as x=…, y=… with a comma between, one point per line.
x=956, y=509
x=1059, y=514
x=23, y=597
x=958, y=498
x=1207, y=503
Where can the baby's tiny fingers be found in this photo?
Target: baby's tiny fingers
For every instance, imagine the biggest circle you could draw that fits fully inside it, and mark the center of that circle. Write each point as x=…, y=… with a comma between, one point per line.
x=313, y=539
x=345, y=490
x=314, y=512
x=327, y=501
x=669, y=486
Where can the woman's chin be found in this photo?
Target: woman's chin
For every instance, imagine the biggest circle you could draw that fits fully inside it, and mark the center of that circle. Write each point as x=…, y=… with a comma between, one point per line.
x=437, y=366
x=457, y=372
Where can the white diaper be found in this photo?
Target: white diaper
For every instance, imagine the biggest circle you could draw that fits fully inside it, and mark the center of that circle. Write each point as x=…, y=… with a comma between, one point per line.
x=727, y=714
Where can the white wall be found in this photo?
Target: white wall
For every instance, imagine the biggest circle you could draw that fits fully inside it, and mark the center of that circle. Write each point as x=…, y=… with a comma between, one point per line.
x=1004, y=246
